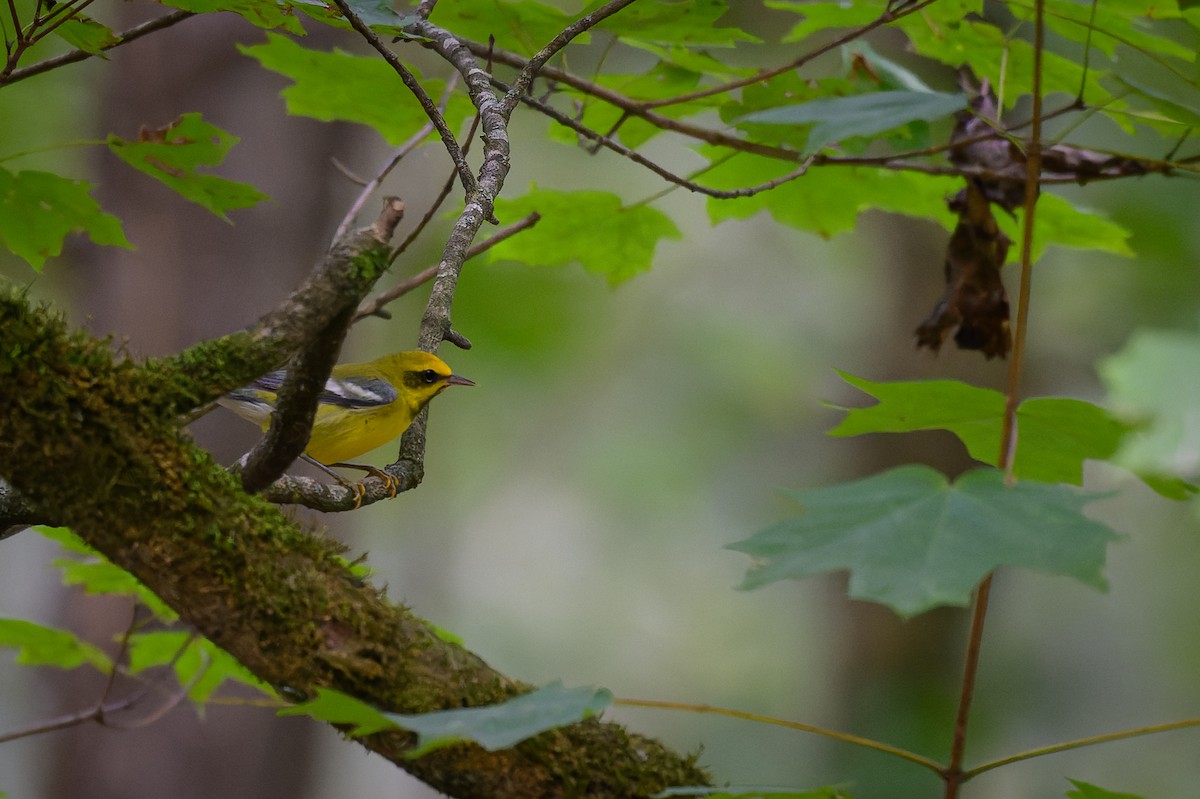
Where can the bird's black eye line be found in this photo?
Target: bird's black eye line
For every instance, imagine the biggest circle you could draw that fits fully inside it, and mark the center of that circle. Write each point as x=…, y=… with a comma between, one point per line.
x=425, y=377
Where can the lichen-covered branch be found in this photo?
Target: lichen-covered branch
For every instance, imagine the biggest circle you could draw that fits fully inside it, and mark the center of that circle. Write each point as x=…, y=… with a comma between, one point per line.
x=77, y=441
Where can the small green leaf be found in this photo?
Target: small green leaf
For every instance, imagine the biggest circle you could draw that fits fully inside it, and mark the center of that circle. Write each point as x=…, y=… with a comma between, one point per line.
x=912, y=541
x=96, y=575
x=839, y=118
x=86, y=34
x=261, y=13
x=339, y=86
x=1062, y=224
x=377, y=14
x=1154, y=382
x=1084, y=790
x=39, y=209
x=827, y=200
x=953, y=33
x=819, y=17
x=335, y=707
x=590, y=227
x=507, y=724
x=66, y=539
x=1055, y=435
x=48, y=646
x=520, y=25
x=103, y=577
x=694, y=24
x=381, y=17
x=1104, y=25
x=174, y=154
x=199, y=664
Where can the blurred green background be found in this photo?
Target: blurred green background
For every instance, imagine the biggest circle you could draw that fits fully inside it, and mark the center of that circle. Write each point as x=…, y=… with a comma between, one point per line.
x=576, y=502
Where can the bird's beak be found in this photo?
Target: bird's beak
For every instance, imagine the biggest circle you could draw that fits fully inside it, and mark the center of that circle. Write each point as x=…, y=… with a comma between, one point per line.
x=459, y=380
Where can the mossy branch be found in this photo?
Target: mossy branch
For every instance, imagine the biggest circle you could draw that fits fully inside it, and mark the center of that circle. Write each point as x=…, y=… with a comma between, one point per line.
x=338, y=282
x=77, y=442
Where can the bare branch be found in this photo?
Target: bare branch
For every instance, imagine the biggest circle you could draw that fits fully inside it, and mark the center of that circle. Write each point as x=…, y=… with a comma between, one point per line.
x=663, y=172
x=410, y=80
x=374, y=306
x=407, y=147
x=104, y=710
x=371, y=185
x=532, y=67
x=638, y=109
x=436, y=320
x=131, y=35
x=433, y=208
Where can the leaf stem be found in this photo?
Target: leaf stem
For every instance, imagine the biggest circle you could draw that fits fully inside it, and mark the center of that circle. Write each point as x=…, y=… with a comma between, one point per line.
x=954, y=774
x=895, y=751
x=1090, y=740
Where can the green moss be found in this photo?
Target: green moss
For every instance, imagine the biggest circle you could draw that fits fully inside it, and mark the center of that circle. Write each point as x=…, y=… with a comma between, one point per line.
x=370, y=264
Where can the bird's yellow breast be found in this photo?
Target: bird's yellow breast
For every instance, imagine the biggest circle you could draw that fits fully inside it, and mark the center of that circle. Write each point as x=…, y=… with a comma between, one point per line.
x=340, y=434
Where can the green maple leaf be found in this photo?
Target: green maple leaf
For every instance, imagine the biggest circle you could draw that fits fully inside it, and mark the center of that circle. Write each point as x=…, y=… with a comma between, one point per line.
x=39, y=209
x=1055, y=435
x=912, y=541
x=174, y=155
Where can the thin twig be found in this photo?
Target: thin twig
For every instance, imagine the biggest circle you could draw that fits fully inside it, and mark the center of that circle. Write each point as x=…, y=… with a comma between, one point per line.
x=407, y=147
x=434, y=206
x=885, y=18
x=121, y=652
x=16, y=20
x=1078, y=743
x=878, y=746
x=60, y=14
x=369, y=186
x=374, y=305
x=347, y=172
x=534, y=65
x=69, y=720
x=641, y=160
x=102, y=711
x=410, y=80
x=635, y=108
x=133, y=34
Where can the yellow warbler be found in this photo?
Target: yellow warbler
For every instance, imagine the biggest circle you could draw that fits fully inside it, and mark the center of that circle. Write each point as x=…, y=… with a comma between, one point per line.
x=363, y=406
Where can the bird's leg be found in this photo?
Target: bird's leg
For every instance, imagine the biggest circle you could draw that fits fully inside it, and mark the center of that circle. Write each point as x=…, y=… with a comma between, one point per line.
x=359, y=489
x=389, y=482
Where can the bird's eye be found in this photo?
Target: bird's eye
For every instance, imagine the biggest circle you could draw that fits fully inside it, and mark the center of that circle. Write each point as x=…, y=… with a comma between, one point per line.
x=429, y=376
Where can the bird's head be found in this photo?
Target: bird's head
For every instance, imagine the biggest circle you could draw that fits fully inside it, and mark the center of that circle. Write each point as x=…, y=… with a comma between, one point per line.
x=424, y=375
